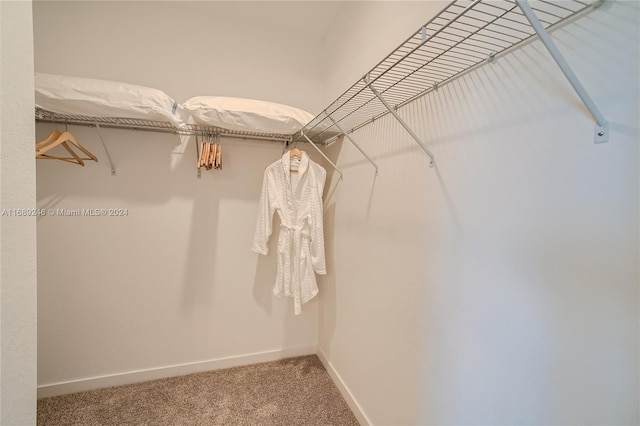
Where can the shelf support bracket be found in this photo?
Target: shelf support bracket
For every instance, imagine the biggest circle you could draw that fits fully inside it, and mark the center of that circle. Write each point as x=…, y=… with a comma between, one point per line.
x=106, y=151
x=601, y=133
x=393, y=112
x=375, y=166
x=321, y=153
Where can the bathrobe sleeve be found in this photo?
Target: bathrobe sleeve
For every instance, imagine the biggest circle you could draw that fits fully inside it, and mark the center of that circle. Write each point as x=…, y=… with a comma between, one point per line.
x=265, y=217
x=317, y=228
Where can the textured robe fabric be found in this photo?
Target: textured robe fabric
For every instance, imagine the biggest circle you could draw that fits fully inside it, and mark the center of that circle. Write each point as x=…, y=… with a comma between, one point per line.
x=297, y=197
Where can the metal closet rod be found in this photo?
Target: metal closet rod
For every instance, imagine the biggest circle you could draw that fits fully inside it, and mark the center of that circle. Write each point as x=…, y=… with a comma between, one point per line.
x=148, y=126
x=159, y=127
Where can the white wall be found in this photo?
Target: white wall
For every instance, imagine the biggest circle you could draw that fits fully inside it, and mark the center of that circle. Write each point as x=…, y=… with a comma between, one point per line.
x=184, y=48
x=17, y=233
x=173, y=282
x=500, y=287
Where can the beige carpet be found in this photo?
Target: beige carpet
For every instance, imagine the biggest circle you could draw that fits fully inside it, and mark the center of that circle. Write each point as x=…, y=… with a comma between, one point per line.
x=294, y=391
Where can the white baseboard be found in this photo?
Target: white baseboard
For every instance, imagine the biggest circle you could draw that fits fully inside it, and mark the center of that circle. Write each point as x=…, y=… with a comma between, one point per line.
x=344, y=390
x=90, y=383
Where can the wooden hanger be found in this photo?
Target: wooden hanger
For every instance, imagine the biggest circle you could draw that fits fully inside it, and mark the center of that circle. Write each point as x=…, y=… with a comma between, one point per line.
x=56, y=138
x=213, y=156
x=204, y=154
x=295, y=152
x=210, y=156
x=52, y=137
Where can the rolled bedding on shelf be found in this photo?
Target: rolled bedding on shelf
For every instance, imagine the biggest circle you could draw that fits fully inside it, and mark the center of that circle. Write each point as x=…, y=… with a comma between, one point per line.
x=103, y=98
x=247, y=115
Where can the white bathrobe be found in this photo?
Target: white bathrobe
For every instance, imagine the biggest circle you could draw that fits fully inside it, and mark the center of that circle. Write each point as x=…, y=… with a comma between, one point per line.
x=297, y=197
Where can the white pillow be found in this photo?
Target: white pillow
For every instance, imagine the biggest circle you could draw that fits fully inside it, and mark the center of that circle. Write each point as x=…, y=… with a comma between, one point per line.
x=104, y=98
x=247, y=115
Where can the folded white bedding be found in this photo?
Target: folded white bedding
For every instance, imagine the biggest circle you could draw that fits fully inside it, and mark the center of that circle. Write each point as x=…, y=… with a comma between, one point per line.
x=104, y=98
x=247, y=115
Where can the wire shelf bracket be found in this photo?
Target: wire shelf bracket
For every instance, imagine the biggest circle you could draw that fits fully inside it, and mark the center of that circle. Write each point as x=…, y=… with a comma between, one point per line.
x=601, y=132
x=375, y=166
x=393, y=112
x=106, y=151
x=322, y=153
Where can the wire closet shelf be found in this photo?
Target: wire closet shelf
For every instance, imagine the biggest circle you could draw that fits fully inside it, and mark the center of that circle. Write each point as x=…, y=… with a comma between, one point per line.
x=44, y=116
x=462, y=36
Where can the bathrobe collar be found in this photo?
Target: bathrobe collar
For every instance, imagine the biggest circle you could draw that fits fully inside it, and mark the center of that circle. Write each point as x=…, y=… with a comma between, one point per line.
x=302, y=168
